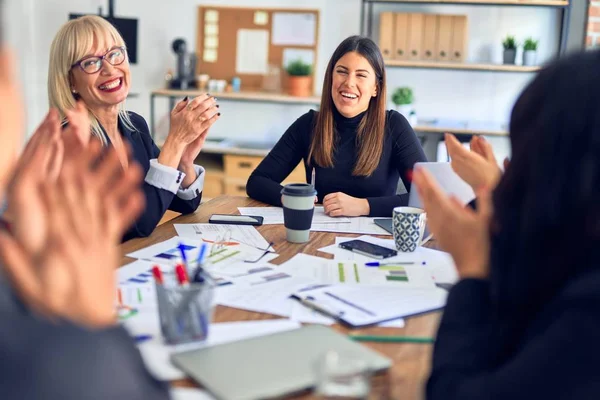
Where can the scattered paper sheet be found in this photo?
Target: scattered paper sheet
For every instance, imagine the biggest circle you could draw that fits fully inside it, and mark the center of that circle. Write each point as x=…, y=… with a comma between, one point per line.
x=139, y=271
x=274, y=215
x=267, y=292
x=167, y=252
x=326, y=271
x=362, y=225
x=440, y=264
x=245, y=234
x=367, y=304
x=252, y=55
x=293, y=29
x=156, y=353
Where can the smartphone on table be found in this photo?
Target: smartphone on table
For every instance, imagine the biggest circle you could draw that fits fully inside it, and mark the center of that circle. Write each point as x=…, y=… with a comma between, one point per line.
x=368, y=249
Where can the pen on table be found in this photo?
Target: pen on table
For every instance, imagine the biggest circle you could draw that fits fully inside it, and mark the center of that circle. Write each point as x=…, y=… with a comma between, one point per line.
x=158, y=276
x=382, y=264
x=181, y=248
x=142, y=338
x=392, y=339
x=199, y=272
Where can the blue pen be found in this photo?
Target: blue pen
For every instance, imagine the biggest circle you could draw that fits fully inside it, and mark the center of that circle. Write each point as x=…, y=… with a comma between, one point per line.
x=142, y=338
x=181, y=248
x=201, y=254
x=380, y=264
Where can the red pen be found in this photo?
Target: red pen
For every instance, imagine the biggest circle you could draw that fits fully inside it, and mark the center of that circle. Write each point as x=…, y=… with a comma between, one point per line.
x=158, y=276
x=181, y=274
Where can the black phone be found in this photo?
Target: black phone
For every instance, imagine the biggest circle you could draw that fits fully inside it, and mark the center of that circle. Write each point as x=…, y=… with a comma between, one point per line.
x=368, y=249
x=236, y=219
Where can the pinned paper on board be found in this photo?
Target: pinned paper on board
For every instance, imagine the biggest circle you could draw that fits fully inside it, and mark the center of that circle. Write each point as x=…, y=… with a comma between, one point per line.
x=209, y=55
x=261, y=18
x=293, y=29
x=211, y=42
x=211, y=29
x=291, y=55
x=252, y=55
x=211, y=16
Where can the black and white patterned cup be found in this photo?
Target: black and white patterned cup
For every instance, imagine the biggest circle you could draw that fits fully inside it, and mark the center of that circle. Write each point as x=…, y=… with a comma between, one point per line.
x=298, y=210
x=408, y=225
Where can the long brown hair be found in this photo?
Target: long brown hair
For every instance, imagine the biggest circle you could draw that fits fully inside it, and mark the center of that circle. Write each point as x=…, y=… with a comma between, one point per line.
x=371, y=128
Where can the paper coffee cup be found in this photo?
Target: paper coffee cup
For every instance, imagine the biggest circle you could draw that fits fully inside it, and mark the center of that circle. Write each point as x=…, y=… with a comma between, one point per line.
x=298, y=210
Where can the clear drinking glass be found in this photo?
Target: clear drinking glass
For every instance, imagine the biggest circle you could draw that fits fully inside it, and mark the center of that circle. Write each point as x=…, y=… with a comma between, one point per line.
x=342, y=377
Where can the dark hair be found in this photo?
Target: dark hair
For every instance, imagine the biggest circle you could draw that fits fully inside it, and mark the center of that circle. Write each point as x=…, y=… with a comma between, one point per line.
x=547, y=206
x=371, y=129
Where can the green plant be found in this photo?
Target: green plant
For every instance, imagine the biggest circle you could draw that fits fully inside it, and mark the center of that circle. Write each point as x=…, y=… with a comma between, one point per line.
x=299, y=68
x=530, y=44
x=402, y=96
x=509, y=43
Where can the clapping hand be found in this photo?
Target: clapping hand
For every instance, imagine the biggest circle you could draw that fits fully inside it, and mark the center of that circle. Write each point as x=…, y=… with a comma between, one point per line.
x=462, y=232
x=87, y=210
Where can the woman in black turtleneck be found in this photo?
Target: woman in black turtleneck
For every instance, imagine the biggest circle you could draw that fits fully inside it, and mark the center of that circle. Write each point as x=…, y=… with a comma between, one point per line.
x=357, y=149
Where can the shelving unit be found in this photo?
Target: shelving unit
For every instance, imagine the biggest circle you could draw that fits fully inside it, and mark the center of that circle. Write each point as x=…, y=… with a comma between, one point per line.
x=461, y=66
x=563, y=5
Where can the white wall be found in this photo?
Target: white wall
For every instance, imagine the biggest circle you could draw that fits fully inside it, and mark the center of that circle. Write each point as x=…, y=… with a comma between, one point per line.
x=447, y=94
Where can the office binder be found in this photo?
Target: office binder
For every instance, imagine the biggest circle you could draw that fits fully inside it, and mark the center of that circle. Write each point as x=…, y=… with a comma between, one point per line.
x=430, y=37
x=401, y=39
x=459, y=38
x=444, y=41
x=415, y=36
x=366, y=305
x=386, y=34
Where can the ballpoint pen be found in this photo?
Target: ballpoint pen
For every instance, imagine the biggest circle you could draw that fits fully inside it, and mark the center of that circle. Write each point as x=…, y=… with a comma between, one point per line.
x=381, y=264
x=312, y=178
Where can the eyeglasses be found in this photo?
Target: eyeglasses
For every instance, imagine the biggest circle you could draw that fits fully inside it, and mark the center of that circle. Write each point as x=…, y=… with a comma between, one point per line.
x=93, y=64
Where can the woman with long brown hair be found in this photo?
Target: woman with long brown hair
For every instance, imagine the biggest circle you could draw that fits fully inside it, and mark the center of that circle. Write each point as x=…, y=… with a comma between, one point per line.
x=357, y=149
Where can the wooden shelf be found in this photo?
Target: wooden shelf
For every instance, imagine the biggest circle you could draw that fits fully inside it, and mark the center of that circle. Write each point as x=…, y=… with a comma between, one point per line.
x=264, y=97
x=528, y=3
x=461, y=66
x=461, y=128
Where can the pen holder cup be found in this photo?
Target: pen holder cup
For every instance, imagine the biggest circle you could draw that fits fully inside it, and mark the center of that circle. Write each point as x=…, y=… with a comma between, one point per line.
x=185, y=312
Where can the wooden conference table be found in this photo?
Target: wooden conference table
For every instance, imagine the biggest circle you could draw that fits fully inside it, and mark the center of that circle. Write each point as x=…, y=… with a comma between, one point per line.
x=411, y=362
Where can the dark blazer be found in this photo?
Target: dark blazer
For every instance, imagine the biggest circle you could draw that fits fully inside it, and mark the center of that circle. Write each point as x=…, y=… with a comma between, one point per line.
x=552, y=354
x=57, y=360
x=161, y=186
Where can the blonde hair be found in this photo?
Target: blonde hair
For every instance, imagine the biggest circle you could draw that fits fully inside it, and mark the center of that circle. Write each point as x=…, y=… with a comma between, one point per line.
x=73, y=41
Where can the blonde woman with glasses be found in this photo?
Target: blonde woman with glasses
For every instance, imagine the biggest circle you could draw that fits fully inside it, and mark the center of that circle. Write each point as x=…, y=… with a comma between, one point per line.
x=88, y=62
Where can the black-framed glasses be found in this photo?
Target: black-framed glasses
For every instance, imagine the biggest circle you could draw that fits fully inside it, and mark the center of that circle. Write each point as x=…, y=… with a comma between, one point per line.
x=93, y=64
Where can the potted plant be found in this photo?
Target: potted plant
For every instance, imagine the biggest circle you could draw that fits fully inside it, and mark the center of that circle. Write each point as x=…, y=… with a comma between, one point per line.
x=510, y=49
x=403, y=99
x=530, y=51
x=299, y=82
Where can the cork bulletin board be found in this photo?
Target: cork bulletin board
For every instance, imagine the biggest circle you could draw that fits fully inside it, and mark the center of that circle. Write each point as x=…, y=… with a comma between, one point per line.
x=244, y=42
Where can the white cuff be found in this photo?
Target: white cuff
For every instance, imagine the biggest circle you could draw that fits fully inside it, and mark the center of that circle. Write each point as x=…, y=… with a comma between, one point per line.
x=164, y=177
x=195, y=188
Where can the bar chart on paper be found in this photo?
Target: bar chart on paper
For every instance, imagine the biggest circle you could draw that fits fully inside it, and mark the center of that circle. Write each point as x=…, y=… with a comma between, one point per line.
x=354, y=272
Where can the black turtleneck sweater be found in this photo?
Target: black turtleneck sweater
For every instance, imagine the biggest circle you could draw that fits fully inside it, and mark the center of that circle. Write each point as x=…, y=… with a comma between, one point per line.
x=401, y=150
